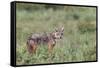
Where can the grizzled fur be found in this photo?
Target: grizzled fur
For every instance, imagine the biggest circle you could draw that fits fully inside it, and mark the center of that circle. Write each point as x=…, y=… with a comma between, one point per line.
x=44, y=38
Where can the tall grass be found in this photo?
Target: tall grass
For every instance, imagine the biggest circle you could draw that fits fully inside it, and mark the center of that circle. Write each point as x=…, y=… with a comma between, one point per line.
x=79, y=40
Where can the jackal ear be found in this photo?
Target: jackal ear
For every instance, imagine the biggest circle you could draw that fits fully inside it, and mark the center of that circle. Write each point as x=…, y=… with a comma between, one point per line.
x=56, y=29
x=62, y=28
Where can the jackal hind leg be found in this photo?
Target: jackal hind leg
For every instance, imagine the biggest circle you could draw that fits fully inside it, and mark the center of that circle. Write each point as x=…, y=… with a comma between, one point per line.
x=34, y=46
x=30, y=49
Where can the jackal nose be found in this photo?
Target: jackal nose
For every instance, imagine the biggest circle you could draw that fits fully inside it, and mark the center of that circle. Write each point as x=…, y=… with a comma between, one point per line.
x=60, y=37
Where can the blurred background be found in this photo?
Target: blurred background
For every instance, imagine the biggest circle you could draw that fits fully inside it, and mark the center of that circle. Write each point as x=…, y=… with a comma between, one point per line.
x=78, y=43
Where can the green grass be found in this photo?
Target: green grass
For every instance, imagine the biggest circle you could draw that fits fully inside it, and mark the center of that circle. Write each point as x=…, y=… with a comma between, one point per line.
x=78, y=43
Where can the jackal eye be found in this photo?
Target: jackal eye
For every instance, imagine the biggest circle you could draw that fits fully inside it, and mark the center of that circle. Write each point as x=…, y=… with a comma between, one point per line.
x=61, y=33
x=56, y=30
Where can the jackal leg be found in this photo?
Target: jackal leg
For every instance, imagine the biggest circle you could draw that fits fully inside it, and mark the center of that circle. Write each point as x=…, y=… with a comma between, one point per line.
x=31, y=46
x=50, y=48
x=51, y=45
x=29, y=49
x=34, y=48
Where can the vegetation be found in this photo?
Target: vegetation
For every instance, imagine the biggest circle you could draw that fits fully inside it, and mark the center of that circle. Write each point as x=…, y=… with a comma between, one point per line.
x=78, y=43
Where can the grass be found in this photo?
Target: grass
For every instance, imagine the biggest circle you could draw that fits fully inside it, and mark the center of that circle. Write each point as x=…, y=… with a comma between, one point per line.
x=78, y=43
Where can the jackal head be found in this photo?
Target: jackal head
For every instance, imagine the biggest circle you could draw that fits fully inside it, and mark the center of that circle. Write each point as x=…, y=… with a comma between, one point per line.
x=58, y=33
